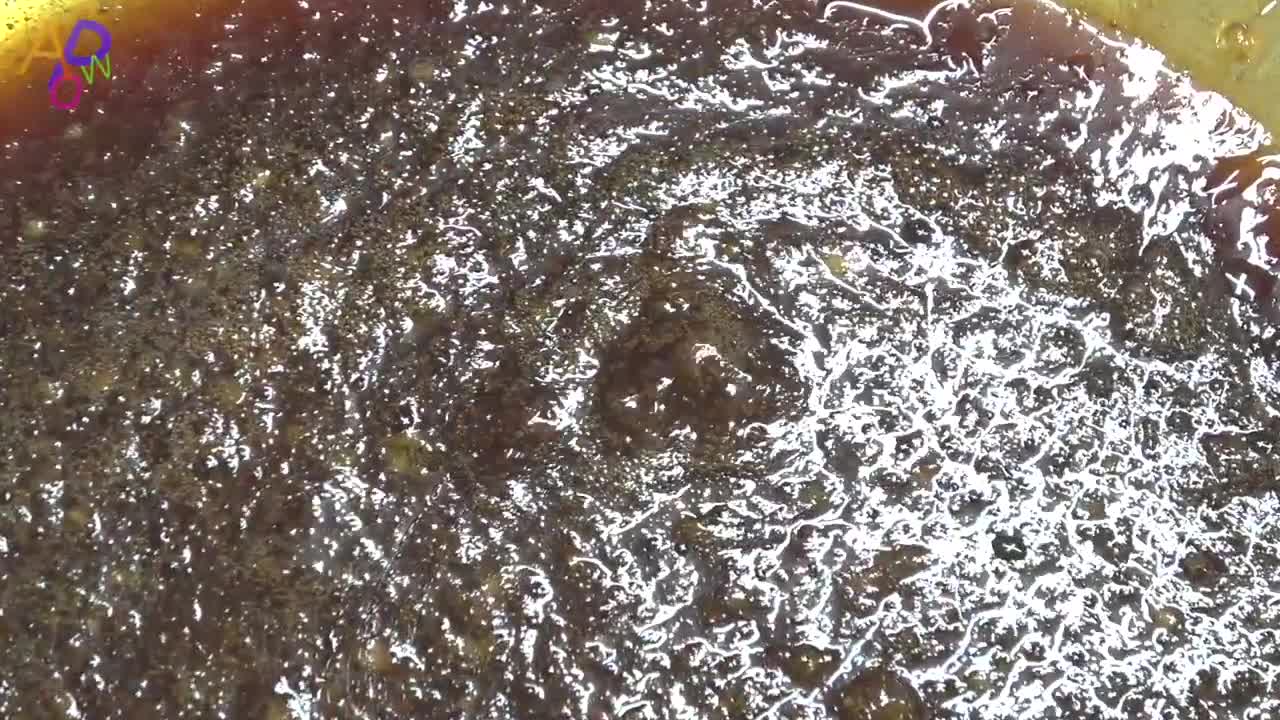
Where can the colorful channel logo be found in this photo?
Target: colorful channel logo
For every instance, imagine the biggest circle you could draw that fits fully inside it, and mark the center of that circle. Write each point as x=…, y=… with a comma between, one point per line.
x=89, y=65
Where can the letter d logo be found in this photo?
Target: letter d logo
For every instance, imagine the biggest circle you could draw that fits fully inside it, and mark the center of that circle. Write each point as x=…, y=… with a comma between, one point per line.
x=83, y=60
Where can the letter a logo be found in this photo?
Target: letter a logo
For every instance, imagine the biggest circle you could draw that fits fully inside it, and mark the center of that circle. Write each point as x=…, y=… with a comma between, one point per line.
x=55, y=53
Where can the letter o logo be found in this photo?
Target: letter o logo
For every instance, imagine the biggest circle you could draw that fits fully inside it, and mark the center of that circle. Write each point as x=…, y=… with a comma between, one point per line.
x=57, y=79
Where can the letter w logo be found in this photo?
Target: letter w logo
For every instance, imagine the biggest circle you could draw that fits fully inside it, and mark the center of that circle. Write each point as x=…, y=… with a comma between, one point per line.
x=90, y=72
